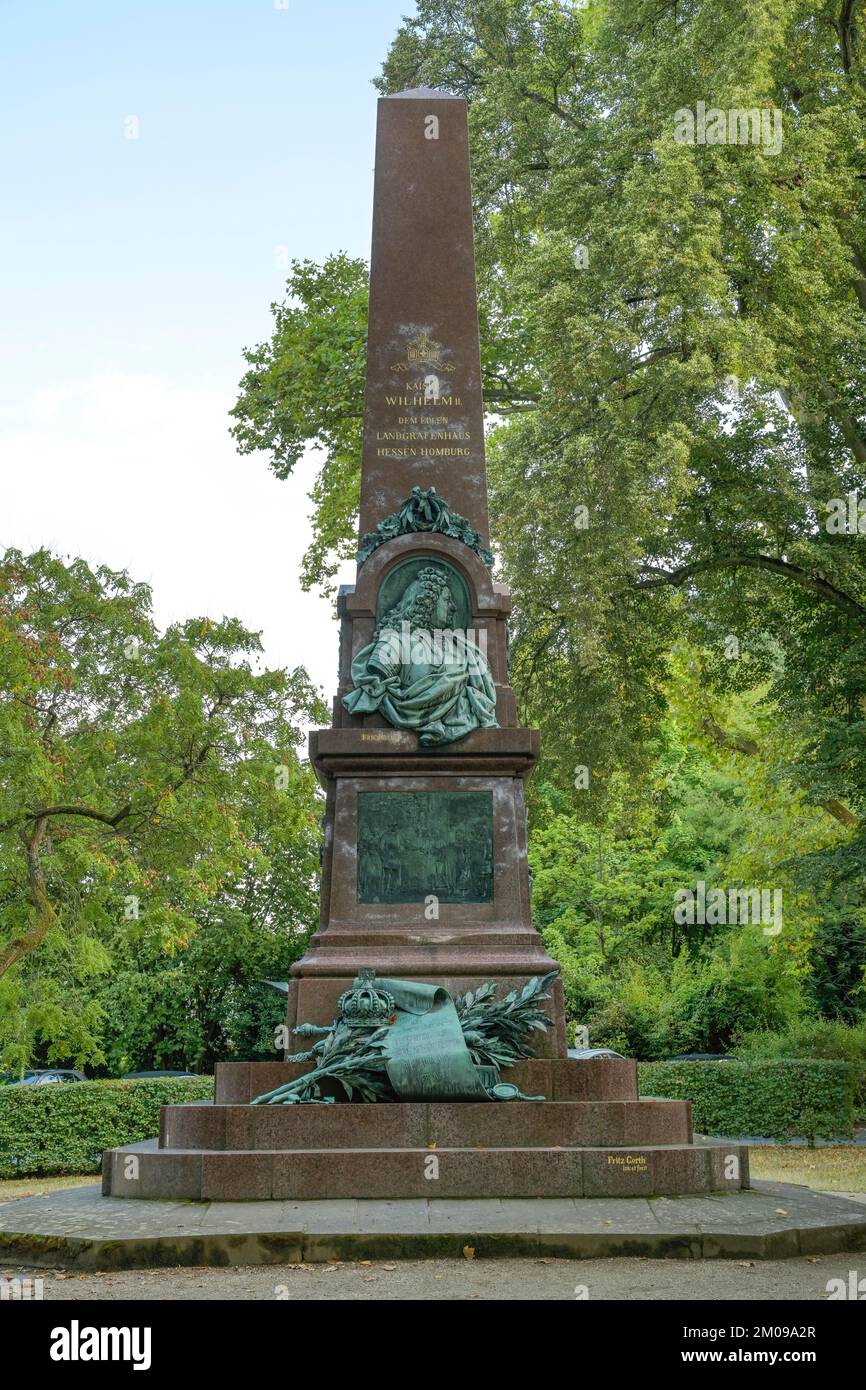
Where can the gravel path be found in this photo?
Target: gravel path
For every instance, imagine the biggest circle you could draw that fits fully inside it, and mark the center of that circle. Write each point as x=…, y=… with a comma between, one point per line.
x=507, y=1279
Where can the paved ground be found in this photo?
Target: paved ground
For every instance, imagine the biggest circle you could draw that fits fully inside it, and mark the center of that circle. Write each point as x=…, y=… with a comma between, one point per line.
x=464, y=1280
x=82, y=1229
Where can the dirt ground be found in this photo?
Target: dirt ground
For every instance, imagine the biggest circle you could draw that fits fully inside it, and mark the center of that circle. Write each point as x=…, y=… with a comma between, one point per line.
x=452, y=1280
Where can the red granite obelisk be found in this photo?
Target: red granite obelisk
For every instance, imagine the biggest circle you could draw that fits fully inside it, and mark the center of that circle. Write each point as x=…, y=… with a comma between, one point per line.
x=423, y=428
x=424, y=870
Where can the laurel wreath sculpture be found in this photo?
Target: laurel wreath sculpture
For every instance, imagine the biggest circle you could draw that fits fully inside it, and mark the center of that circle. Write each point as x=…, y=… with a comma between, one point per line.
x=353, y=1054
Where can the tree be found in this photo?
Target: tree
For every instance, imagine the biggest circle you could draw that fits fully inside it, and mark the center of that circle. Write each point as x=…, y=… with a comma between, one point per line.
x=137, y=769
x=306, y=386
x=674, y=346
x=697, y=387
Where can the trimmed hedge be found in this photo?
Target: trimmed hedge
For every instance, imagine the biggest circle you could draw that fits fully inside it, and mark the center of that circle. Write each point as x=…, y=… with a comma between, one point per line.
x=64, y=1128
x=781, y=1099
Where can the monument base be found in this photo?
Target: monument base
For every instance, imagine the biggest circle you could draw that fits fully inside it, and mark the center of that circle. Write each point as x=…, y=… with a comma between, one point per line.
x=592, y=1137
x=80, y=1229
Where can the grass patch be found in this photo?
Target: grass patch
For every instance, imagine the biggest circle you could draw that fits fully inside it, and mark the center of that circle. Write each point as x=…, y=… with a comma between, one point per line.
x=10, y=1188
x=830, y=1169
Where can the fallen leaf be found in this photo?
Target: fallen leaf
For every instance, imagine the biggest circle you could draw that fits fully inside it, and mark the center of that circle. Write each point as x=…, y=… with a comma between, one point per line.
x=469, y=1252
x=390, y=1268
x=780, y=1210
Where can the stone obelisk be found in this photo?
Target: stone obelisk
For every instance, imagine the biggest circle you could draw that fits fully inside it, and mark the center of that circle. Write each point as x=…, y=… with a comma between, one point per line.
x=424, y=873
x=424, y=867
x=423, y=326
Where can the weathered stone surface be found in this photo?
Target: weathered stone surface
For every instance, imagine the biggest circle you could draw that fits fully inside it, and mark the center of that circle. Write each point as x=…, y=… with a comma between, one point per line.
x=169, y=1174
x=447, y=1125
x=236, y=1176
x=423, y=320
x=77, y=1228
x=663, y=1170
x=394, y=1174
x=423, y=337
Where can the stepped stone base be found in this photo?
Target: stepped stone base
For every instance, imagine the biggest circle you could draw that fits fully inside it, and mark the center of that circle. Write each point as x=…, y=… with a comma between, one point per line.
x=329, y=1174
x=83, y=1230
x=593, y=1137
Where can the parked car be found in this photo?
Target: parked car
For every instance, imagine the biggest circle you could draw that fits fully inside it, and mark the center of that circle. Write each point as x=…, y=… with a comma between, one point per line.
x=49, y=1078
x=582, y=1053
x=155, y=1075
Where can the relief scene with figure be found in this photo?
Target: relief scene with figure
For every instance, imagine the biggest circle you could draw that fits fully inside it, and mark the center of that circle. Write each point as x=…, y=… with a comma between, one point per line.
x=414, y=844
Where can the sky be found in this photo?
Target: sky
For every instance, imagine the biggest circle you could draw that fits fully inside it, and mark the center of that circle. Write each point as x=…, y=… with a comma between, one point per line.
x=160, y=162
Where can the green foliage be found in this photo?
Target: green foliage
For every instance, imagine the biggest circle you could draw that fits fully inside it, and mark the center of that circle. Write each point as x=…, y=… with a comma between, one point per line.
x=64, y=1128
x=822, y=1038
x=150, y=789
x=810, y=1037
x=701, y=1003
x=778, y=1099
x=604, y=892
x=698, y=388
x=700, y=385
x=306, y=385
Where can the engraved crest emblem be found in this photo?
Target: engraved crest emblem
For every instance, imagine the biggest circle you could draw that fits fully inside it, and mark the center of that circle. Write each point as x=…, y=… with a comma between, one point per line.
x=422, y=348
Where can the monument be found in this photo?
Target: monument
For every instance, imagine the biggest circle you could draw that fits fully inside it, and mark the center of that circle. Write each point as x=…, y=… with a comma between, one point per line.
x=437, y=1016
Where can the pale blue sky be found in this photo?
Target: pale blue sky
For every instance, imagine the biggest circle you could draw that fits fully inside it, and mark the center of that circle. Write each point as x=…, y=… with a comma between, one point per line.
x=256, y=130
x=135, y=270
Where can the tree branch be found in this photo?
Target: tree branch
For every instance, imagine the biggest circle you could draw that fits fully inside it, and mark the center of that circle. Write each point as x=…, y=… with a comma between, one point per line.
x=46, y=917
x=741, y=744
x=822, y=587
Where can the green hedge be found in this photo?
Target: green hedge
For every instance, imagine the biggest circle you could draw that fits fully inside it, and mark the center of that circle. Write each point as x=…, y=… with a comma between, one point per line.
x=64, y=1128
x=779, y=1099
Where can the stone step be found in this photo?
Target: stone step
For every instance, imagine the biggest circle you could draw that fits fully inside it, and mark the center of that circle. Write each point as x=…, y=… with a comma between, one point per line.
x=555, y=1078
x=394, y=1174
x=466, y=1125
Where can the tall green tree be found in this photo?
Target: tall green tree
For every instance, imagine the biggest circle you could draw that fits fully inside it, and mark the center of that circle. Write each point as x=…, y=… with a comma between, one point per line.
x=148, y=782
x=674, y=358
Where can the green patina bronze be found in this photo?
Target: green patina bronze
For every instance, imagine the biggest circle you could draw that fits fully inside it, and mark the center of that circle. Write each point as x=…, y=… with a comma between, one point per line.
x=413, y=844
x=401, y=1040
x=396, y=582
x=424, y=510
x=422, y=671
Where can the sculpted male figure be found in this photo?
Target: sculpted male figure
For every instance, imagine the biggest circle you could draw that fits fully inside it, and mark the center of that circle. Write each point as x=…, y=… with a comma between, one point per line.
x=420, y=671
